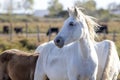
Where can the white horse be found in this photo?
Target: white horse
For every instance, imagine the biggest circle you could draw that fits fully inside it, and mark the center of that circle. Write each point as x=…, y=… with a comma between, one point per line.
x=108, y=60
x=77, y=60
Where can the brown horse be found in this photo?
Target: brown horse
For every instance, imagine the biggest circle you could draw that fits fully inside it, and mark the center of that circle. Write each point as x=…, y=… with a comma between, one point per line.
x=17, y=65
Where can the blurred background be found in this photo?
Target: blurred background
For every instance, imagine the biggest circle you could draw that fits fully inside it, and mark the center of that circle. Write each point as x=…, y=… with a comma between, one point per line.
x=25, y=24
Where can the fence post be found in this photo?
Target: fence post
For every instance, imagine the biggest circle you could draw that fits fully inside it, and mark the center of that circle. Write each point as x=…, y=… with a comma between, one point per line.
x=114, y=36
x=10, y=32
x=26, y=30
x=38, y=33
x=104, y=35
x=49, y=36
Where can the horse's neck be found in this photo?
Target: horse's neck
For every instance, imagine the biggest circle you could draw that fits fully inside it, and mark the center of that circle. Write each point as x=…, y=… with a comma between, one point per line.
x=86, y=47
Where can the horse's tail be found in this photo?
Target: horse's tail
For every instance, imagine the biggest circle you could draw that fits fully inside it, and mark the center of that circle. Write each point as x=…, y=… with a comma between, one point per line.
x=111, y=68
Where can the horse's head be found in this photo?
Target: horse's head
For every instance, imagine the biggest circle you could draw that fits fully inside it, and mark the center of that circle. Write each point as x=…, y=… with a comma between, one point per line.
x=74, y=28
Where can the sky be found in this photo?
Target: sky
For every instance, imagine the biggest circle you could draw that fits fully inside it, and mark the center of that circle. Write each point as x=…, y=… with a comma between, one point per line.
x=43, y=4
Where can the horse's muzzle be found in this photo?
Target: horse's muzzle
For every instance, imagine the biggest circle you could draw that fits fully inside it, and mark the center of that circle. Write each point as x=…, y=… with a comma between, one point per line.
x=59, y=42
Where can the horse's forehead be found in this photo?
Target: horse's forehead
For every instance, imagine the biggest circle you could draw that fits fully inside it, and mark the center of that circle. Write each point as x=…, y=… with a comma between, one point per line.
x=69, y=19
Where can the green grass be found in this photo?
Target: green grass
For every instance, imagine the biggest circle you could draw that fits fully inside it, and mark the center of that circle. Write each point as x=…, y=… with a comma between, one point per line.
x=20, y=42
x=114, y=26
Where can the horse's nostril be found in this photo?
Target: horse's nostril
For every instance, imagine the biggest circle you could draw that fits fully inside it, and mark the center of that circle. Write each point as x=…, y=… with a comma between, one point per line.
x=58, y=40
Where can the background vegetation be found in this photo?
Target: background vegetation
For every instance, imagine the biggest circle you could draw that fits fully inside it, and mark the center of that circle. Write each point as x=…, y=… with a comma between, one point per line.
x=20, y=41
x=56, y=18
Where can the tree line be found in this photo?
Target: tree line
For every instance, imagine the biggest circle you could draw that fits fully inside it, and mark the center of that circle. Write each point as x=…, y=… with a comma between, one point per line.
x=90, y=7
x=56, y=8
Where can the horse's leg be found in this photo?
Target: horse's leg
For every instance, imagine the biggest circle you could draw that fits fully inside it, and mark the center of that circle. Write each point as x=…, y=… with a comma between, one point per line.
x=39, y=71
x=40, y=76
x=78, y=78
x=93, y=78
x=74, y=78
x=115, y=76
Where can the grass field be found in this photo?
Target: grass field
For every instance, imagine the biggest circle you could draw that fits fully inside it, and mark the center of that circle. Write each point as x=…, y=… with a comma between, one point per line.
x=29, y=44
x=45, y=24
x=43, y=27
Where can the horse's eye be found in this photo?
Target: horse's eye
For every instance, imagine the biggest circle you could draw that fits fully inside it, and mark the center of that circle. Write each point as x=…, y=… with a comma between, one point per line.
x=71, y=23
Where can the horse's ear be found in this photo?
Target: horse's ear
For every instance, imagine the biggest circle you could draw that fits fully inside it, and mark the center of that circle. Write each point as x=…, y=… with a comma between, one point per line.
x=75, y=12
x=69, y=11
x=5, y=57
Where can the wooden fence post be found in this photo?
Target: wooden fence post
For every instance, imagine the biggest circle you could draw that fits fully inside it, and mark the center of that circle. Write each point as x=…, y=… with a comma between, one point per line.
x=26, y=30
x=104, y=35
x=38, y=33
x=49, y=36
x=10, y=32
x=114, y=36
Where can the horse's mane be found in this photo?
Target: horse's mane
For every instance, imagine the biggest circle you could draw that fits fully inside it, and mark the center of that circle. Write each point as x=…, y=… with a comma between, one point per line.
x=91, y=26
x=89, y=20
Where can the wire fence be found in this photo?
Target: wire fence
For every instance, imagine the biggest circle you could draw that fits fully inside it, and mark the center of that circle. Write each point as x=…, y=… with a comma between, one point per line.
x=11, y=31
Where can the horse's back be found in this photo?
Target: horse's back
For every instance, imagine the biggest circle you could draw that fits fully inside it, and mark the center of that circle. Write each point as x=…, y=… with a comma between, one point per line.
x=112, y=64
x=108, y=59
x=45, y=48
x=20, y=65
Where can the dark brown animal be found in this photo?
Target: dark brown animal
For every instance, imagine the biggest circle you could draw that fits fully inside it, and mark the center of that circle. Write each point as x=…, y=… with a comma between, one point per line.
x=6, y=29
x=17, y=65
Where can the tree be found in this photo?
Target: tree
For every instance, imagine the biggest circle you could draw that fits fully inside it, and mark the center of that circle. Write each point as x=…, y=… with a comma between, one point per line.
x=0, y=5
x=78, y=3
x=112, y=6
x=118, y=6
x=88, y=4
x=17, y=4
x=55, y=7
x=28, y=4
